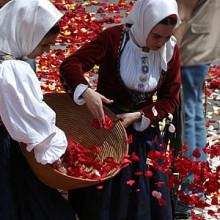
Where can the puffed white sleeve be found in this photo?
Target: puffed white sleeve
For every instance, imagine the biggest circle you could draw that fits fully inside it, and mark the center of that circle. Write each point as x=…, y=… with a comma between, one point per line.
x=26, y=116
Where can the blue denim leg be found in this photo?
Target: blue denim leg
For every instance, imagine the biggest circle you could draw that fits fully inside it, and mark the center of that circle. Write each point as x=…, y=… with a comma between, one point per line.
x=193, y=78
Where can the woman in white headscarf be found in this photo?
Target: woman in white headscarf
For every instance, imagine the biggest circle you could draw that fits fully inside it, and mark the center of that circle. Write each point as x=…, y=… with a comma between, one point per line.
x=27, y=30
x=136, y=60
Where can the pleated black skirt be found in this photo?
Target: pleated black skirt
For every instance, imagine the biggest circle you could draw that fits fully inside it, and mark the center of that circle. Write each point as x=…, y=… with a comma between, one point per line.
x=120, y=201
x=22, y=195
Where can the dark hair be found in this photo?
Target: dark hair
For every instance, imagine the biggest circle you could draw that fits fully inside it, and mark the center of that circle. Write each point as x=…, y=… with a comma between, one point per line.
x=54, y=30
x=170, y=20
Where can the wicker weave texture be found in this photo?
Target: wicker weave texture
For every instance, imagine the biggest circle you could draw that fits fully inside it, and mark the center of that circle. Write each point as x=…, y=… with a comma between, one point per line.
x=76, y=122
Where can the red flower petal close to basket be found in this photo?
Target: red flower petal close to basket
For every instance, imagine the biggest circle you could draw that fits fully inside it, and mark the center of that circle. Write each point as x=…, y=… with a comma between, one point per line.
x=106, y=125
x=84, y=162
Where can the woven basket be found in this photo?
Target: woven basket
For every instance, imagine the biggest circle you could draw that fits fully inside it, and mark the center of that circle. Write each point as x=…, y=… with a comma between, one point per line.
x=75, y=121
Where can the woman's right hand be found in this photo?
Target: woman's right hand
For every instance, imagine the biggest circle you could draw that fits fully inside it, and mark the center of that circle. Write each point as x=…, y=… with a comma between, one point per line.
x=94, y=102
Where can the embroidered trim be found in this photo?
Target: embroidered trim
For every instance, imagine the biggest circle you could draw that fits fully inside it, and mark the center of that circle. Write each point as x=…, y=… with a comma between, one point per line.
x=138, y=98
x=5, y=56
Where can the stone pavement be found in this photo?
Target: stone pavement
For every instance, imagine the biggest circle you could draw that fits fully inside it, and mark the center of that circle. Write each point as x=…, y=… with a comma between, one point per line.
x=212, y=113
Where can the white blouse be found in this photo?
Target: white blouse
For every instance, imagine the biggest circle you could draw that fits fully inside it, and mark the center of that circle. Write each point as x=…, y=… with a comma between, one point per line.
x=142, y=72
x=25, y=115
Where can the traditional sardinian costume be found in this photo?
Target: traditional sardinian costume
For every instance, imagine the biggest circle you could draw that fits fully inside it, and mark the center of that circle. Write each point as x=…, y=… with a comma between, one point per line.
x=25, y=117
x=130, y=77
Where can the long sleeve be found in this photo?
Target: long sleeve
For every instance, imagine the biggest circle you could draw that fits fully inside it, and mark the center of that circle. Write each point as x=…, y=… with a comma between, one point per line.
x=26, y=116
x=74, y=66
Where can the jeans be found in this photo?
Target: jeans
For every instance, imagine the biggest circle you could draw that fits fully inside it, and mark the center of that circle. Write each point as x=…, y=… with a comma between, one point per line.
x=194, y=134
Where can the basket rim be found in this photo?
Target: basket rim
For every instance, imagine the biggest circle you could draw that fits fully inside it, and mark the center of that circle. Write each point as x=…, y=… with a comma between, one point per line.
x=36, y=167
x=87, y=179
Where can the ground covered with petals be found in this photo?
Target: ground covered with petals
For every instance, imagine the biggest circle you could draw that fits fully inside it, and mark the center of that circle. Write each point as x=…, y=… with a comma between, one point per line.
x=81, y=22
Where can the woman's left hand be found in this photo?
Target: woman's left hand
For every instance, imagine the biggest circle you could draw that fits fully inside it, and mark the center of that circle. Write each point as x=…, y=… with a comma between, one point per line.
x=129, y=118
x=59, y=166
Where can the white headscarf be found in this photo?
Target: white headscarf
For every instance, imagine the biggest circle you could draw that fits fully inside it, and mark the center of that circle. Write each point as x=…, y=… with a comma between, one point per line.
x=28, y=119
x=144, y=16
x=23, y=24
x=148, y=13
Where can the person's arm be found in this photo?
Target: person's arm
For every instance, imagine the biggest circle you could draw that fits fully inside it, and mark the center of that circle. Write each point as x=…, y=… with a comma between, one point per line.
x=83, y=60
x=185, y=8
x=26, y=116
x=73, y=68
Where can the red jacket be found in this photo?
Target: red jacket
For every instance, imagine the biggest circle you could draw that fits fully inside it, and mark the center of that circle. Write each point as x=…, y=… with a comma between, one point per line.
x=105, y=52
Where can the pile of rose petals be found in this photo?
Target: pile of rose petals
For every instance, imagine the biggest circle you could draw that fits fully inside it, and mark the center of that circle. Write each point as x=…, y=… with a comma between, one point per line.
x=83, y=162
x=99, y=124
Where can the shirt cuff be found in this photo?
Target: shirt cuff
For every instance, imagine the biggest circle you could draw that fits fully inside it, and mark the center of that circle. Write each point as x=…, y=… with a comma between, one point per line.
x=52, y=148
x=142, y=124
x=77, y=96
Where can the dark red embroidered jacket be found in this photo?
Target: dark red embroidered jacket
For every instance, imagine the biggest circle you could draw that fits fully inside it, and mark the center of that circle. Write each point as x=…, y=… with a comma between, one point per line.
x=105, y=52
